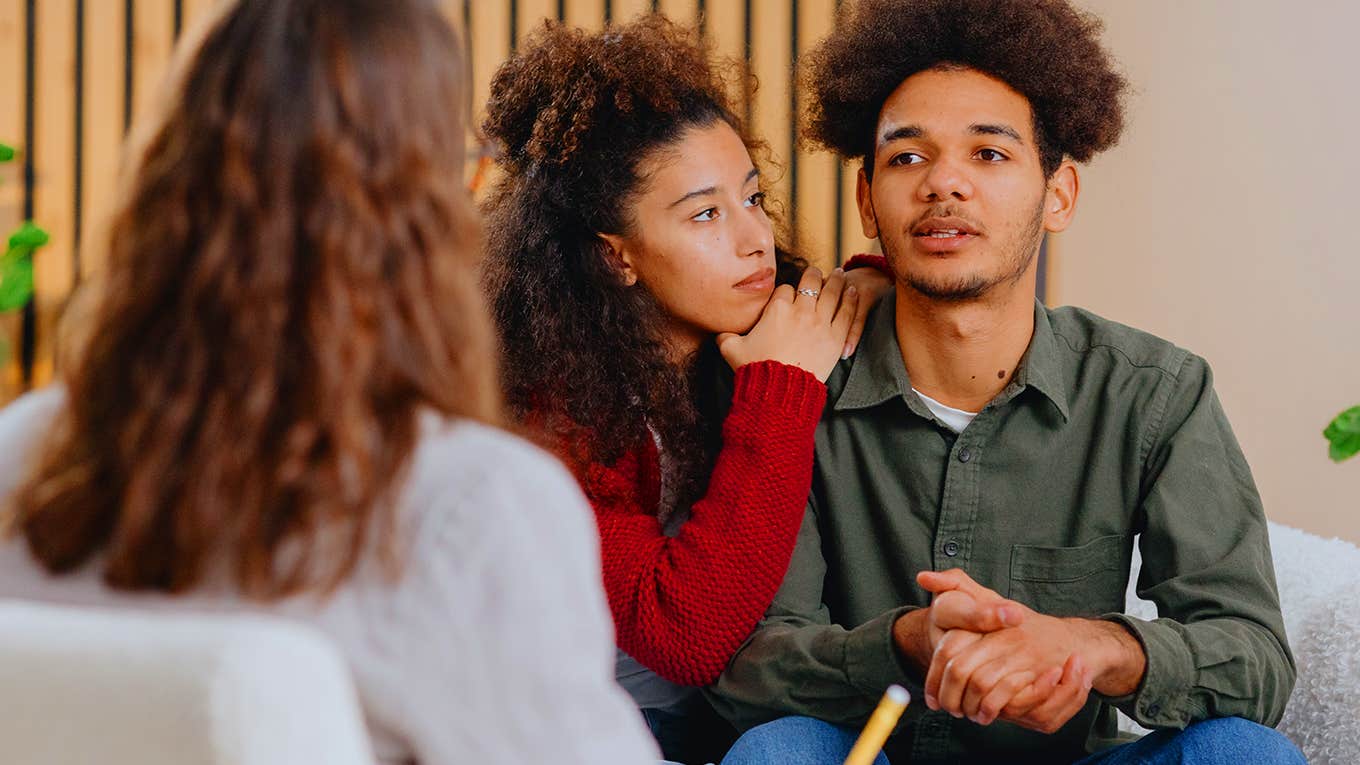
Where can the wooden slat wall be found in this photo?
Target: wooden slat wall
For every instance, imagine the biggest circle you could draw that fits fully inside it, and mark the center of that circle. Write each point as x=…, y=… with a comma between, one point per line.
x=818, y=172
x=54, y=153
x=102, y=122
x=153, y=40
x=13, y=111
x=529, y=14
x=771, y=117
x=97, y=65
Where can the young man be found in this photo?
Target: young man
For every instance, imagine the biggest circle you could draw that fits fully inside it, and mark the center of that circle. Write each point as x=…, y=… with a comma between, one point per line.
x=1009, y=452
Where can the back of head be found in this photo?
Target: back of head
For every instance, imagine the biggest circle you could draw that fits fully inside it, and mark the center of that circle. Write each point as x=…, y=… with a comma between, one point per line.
x=1046, y=50
x=287, y=286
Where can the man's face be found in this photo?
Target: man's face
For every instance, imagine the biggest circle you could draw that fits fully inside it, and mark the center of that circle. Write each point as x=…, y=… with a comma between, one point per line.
x=958, y=198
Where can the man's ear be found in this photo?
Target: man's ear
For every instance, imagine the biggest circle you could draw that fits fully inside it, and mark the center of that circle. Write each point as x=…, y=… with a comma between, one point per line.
x=867, y=220
x=621, y=255
x=1060, y=200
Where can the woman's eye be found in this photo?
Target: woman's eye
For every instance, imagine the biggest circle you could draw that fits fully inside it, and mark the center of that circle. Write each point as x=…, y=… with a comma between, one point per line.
x=707, y=215
x=906, y=158
x=991, y=155
x=756, y=200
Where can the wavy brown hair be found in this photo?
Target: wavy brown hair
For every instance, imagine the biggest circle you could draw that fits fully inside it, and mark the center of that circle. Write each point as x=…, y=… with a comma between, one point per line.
x=289, y=286
x=575, y=115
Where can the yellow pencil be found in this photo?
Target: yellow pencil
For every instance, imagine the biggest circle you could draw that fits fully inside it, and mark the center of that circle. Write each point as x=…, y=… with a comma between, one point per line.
x=880, y=726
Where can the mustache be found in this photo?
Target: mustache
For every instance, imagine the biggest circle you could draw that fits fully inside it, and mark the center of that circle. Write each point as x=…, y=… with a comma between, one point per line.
x=947, y=211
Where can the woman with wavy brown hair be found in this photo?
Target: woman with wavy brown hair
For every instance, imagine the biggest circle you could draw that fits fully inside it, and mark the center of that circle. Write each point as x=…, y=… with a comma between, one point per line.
x=283, y=401
x=653, y=336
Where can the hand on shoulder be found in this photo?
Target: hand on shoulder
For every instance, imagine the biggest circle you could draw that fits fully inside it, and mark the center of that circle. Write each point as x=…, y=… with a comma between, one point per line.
x=806, y=328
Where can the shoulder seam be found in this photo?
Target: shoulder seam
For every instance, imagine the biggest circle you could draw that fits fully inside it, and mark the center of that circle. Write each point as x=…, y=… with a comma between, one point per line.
x=1129, y=359
x=1158, y=420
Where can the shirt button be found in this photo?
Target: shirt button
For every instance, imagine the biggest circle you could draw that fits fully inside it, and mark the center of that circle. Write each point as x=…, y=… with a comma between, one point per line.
x=1153, y=709
x=965, y=454
x=951, y=548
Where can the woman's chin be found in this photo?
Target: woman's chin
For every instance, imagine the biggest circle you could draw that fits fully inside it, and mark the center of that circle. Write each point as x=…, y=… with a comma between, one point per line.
x=742, y=325
x=737, y=322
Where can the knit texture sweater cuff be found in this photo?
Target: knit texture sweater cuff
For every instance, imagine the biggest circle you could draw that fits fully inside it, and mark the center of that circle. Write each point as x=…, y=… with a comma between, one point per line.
x=774, y=400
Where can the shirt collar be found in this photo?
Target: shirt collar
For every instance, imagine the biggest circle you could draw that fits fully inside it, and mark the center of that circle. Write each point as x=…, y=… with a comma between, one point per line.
x=877, y=373
x=1041, y=366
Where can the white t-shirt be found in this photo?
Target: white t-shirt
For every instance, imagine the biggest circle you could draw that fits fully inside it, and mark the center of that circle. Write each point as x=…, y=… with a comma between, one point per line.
x=956, y=420
x=494, y=646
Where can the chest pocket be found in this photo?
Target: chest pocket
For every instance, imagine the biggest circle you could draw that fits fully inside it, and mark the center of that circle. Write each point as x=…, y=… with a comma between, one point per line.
x=1072, y=581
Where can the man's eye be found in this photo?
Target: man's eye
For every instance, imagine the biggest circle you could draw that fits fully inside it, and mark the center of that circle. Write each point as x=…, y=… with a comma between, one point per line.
x=707, y=215
x=756, y=200
x=906, y=158
x=991, y=155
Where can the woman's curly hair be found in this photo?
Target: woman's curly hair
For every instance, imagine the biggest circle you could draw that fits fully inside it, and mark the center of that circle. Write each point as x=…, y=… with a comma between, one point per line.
x=1046, y=50
x=575, y=114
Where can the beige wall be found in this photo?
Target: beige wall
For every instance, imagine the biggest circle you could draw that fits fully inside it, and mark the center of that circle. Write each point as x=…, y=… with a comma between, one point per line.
x=1228, y=221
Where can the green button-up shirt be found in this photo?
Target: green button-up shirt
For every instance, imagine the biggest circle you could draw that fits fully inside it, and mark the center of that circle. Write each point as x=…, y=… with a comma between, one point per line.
x=1105, y=435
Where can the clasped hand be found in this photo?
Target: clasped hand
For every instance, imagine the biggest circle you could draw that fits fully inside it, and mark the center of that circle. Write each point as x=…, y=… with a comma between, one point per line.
x=988, y=658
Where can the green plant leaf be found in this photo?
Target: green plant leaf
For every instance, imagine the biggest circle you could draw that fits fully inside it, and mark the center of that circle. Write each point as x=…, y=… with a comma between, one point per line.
x=16, y=266
x=6, y=153
x=16, y=281
x=28, y=237
x=1344, y=435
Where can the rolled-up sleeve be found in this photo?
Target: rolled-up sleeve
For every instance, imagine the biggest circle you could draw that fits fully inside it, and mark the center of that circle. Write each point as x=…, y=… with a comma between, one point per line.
x=1219, y=647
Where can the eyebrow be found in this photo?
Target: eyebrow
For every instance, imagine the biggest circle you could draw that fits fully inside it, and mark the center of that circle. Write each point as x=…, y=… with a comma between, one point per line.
x=906, y=131
x=916, y=131
x=1005, y=130
x=711, y=189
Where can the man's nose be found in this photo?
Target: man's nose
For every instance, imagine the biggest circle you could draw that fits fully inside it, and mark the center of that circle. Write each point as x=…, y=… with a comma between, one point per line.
x=944, y=181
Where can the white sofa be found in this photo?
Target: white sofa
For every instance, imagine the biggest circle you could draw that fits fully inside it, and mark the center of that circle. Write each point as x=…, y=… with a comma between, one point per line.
x=90, y=687
x=1319, y=581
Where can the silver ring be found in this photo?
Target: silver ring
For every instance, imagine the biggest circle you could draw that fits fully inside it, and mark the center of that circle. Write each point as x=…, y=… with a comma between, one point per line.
x=809, y=293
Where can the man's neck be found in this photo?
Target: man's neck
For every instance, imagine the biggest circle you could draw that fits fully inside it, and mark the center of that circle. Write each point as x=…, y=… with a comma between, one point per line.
x=963, y=354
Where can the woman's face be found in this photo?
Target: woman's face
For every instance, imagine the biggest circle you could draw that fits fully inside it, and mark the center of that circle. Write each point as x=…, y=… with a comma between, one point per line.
x=701, y=243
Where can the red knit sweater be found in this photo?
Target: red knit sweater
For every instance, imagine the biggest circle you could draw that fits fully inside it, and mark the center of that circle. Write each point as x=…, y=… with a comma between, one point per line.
x=683, y=605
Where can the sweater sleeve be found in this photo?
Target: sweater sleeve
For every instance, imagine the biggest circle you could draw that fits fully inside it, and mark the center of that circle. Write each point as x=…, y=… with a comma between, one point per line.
x=869, y=260
x=682, y=605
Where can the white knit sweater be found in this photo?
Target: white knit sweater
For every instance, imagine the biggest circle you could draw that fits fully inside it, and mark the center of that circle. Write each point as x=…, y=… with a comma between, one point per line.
x=494, y=646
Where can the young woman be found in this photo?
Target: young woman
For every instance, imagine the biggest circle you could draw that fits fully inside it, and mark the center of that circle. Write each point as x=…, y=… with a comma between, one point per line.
x=631, y=262
x=283, y=402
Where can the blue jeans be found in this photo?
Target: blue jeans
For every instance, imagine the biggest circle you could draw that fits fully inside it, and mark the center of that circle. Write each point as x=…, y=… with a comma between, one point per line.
x=691, y=735
x=795, y=741
x=1223, y=741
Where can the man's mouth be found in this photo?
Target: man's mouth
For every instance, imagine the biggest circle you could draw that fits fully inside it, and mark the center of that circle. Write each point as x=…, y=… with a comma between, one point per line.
x=944, y=234
x=942, y=227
